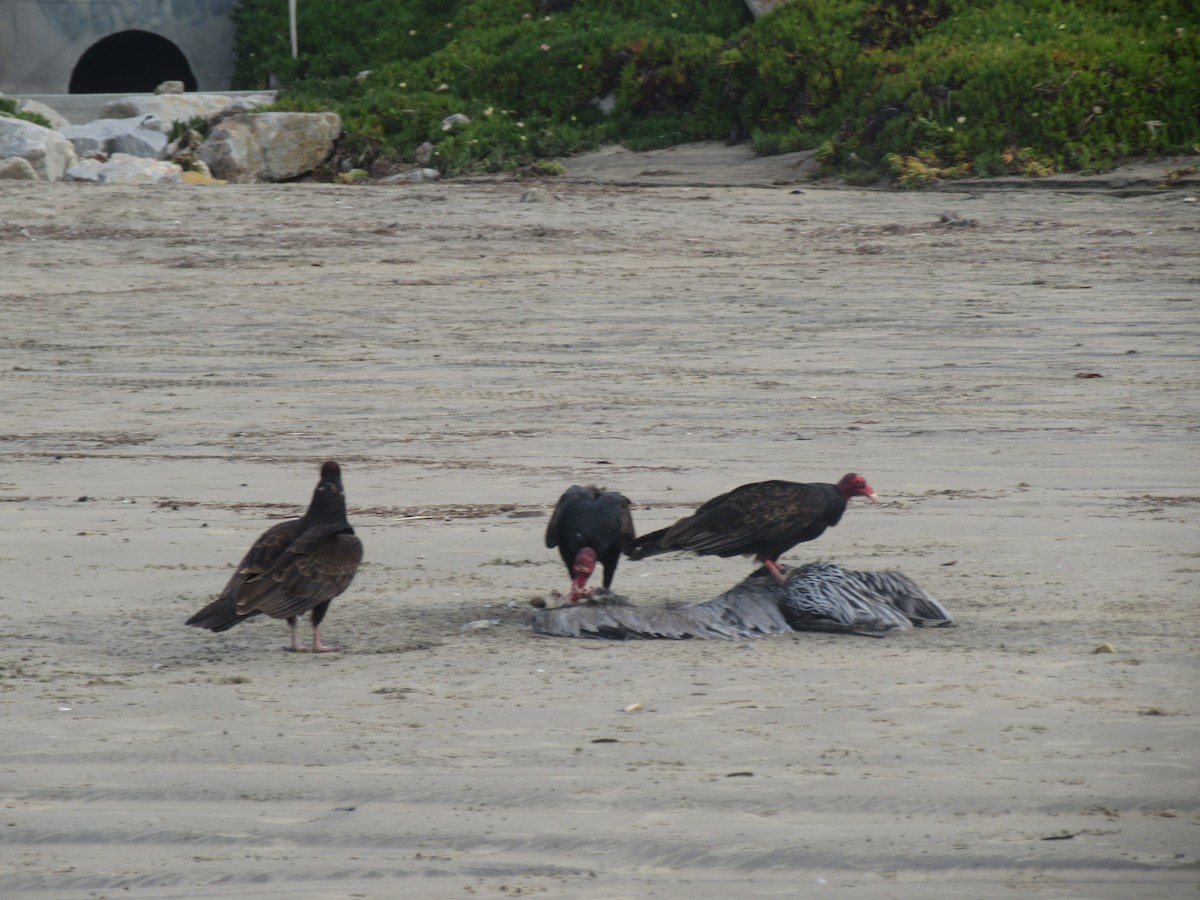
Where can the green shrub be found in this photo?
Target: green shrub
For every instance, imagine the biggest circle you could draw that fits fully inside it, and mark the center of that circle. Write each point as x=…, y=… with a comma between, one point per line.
x=909, y=86
x=8, y=107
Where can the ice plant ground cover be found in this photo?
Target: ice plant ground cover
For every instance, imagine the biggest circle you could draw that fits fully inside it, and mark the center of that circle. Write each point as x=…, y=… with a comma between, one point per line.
x=918, y=91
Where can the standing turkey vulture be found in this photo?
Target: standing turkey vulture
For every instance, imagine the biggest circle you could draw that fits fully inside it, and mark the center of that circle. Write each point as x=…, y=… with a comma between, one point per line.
x=766, y=519
x=295, y=567
x=589, y=524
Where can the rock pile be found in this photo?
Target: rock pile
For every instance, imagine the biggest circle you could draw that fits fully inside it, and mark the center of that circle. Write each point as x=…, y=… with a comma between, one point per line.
x=152, y=139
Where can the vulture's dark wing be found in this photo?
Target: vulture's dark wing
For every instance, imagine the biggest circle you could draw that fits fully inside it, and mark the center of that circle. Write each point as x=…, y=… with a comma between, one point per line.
x=627, y=534
x=314, y=568
x=567, y=505
x=753, y=515
x=265, y=553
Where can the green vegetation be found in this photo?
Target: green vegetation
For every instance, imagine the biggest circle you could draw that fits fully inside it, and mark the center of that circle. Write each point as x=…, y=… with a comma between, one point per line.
x=8, y=107
x=196, y=129
x=920, y=90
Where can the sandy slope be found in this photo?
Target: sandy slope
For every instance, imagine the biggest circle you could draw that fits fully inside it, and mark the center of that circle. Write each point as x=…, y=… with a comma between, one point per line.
x=185, y=358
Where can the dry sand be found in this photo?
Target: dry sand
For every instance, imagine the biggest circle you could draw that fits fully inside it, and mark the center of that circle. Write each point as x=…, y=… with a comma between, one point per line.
x=178, y=361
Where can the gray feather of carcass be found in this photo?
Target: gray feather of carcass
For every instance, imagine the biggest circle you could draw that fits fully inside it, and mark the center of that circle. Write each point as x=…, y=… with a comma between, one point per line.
x=816, y=597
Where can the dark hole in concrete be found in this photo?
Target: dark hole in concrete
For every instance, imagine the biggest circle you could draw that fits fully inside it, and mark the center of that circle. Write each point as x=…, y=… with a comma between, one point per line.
x=130, y=62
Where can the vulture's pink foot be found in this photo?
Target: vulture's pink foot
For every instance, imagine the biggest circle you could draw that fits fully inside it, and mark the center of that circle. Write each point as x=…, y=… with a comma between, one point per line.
x=773, y=568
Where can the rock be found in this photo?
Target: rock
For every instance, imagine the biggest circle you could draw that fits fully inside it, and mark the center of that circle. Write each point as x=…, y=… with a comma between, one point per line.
x=531, y=195
x=953, y=219
x=201, y=168
x=607, y=103
x=199, y=176
x=424, y=154
x=760, y=8
x=52, y=116
x=480, y=623
x=248, y=104
x=412, y=176
x=136, y=136
x=172, y=108
x=170, y=87
x=121, y=168
x=269, y=146
x=455, y=119
x=16, y=168
x=46, y=151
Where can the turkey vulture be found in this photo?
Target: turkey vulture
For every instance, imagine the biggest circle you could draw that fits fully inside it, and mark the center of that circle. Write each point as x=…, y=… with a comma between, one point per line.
x=814, y=597
x=766, y=519
x=295, y=567
x=589, y=524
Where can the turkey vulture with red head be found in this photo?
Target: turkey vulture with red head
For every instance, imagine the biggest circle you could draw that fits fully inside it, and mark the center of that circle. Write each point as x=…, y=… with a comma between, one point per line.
x=589, y=524
x=764, y=519
x=295, y=567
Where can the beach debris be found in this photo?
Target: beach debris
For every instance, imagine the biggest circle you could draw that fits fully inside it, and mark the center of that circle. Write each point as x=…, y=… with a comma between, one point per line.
x=412, y=176
x=954, y=220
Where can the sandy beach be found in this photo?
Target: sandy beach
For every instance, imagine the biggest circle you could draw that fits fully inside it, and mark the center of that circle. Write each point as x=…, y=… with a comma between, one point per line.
x=1023, y=393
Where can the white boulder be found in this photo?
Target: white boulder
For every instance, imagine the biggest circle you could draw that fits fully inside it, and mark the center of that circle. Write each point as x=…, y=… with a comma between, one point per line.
x=56, y=119
x=171, y=108
x=47, y=151
x=136, y=136
x=272, y=146
x=121, y=168
x=16, y=169
x=412, y=176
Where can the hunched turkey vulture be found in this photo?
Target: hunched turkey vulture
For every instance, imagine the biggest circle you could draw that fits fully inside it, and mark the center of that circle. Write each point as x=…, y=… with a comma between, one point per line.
x=814, y=597
x=589, y=524
x=295, y=567
x=764, y=519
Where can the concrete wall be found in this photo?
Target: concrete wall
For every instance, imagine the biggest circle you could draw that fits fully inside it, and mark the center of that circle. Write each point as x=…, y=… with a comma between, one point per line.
x=42, y=41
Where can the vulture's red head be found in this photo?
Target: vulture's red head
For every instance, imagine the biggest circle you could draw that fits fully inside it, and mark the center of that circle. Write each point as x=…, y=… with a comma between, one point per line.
x=585, y=564
x=853, y=485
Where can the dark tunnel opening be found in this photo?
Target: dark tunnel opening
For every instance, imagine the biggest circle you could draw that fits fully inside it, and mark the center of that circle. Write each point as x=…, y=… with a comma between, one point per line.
x=130, y=62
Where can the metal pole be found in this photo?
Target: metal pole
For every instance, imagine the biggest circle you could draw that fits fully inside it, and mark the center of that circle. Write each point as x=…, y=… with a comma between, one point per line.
x=292, y=28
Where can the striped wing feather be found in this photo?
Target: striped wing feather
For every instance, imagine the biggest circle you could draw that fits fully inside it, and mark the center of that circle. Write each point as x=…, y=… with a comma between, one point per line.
x=283, y=578
x=748, y=518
